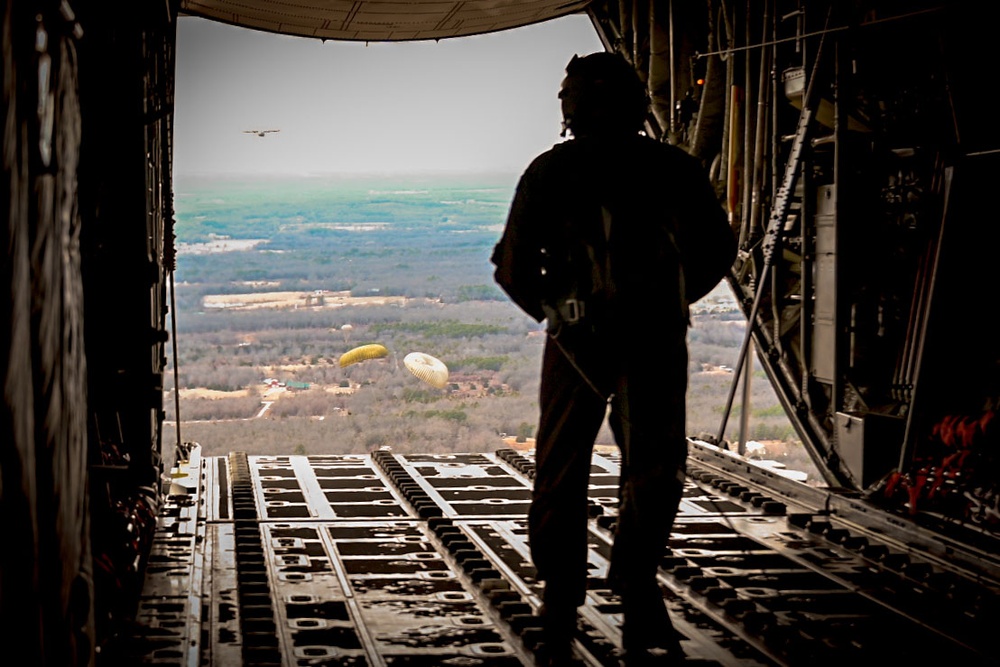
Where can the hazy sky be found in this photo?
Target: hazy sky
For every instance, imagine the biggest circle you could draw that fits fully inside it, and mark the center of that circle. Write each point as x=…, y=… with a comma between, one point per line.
x=484, y=103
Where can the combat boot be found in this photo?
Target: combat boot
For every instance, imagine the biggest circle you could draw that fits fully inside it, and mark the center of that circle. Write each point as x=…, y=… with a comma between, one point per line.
x=558, y=629
x=648, y=635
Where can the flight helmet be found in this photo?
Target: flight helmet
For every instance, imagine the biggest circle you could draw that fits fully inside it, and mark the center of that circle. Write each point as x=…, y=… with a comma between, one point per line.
x=602, y=94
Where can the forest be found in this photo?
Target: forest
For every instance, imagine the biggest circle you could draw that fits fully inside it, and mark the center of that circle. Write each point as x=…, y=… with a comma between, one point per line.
x=267, y=379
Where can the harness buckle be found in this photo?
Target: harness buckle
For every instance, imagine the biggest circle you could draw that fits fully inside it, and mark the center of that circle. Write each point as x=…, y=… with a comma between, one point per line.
x=571, y=310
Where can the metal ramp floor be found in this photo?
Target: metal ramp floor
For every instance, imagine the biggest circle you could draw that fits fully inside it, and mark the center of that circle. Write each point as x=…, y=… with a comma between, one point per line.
x=394, y=559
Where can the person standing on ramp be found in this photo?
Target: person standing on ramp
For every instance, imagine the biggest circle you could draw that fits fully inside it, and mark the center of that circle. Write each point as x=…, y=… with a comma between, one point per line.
x=611, y=234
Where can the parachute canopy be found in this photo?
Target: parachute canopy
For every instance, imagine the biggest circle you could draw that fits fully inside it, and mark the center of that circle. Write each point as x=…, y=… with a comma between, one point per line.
x=429, y=369
x=363, y=352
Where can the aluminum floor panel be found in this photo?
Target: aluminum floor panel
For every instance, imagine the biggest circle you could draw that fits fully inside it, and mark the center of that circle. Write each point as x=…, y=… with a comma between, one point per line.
x=395, y=559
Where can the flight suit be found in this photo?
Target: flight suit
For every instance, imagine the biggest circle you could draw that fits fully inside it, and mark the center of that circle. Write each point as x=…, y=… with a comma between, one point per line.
x=608, y=239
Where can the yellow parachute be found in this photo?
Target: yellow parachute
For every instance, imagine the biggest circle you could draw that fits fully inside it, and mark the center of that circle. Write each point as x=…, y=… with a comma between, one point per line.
x=362, y=353
x=429, y=369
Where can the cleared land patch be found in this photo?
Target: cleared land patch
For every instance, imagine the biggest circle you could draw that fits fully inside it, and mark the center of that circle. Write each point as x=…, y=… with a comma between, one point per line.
x=299, y=299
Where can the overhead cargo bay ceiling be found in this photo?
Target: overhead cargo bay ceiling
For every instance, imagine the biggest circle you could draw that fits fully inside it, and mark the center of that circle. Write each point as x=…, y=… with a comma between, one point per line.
x=380, y=20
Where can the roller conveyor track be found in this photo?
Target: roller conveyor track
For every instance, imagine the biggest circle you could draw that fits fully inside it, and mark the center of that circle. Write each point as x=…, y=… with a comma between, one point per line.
x=395, y=559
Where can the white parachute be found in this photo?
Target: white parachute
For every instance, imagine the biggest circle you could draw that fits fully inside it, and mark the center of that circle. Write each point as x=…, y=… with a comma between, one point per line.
x=429, y=369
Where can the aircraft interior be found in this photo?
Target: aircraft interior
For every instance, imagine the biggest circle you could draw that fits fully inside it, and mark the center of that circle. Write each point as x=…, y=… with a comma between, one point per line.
x=855, y=147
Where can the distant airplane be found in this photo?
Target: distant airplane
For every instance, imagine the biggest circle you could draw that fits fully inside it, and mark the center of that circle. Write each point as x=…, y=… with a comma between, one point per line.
x=259, y=133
